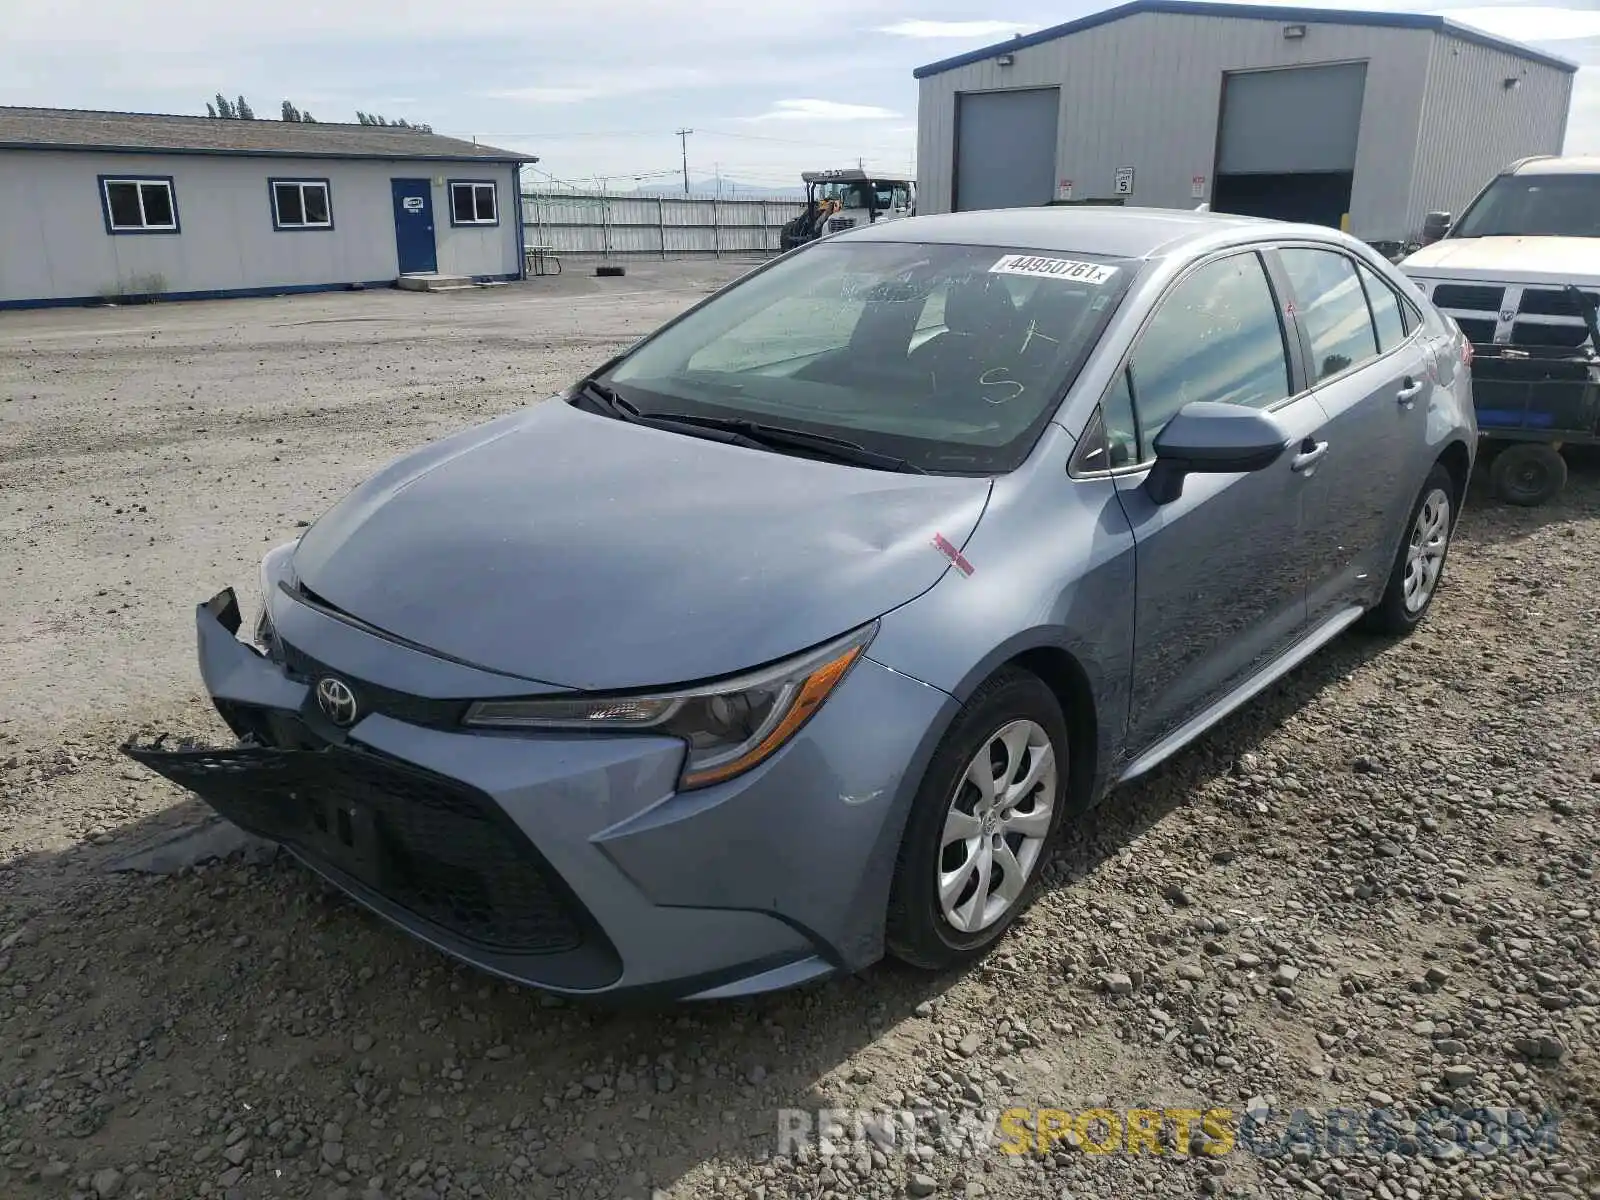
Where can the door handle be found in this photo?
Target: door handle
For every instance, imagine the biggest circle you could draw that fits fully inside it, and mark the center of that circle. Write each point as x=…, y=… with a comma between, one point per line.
x=1409, y=390
x=1311, y=453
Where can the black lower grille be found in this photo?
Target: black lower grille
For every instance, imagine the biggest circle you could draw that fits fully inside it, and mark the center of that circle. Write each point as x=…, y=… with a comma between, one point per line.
x=440, y=850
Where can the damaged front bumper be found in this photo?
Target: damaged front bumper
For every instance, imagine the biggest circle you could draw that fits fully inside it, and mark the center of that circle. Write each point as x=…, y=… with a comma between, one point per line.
x=567, y=862
x=437, y=857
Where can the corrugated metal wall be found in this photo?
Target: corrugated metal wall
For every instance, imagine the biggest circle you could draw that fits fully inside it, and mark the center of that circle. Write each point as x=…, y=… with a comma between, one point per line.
x=1473, y=126
x=1145, y=92
x=594, y=223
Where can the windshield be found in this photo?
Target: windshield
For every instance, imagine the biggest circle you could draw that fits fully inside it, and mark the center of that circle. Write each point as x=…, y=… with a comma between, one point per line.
x=1535, y=206
x=949, y=357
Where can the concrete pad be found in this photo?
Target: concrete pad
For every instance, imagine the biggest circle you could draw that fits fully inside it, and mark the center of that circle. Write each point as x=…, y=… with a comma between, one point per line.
x=432, y=281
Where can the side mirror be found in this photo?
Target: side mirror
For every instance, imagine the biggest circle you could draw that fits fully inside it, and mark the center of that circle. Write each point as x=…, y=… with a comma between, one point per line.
x=1208, y=438
x=1435, y=226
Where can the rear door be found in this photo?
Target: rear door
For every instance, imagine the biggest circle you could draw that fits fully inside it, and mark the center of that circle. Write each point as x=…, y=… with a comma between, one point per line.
x=1370, y=373
x=1221, y=577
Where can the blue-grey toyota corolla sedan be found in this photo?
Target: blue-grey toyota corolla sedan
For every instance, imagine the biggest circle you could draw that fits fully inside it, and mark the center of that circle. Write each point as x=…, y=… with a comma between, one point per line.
x=792, y=635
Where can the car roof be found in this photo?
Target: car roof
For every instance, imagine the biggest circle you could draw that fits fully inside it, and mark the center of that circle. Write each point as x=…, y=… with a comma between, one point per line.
x=1550, y=165
x=1113, y=231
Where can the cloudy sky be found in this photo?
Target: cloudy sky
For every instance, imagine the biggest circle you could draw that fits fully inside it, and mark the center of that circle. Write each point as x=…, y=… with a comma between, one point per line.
x=597, y=88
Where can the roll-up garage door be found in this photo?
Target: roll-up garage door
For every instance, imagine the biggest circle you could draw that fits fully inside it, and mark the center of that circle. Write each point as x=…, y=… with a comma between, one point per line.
x=1006, y=148
x=1304, y=119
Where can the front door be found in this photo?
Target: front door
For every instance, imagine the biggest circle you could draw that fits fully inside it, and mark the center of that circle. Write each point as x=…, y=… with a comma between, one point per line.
x=413, y=225
x=1221, y=587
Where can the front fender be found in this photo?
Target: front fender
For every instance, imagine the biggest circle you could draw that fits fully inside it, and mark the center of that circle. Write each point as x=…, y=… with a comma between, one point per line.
x=1052, y=568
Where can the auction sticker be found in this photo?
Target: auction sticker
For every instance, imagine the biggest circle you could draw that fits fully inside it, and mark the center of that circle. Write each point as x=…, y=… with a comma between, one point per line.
x=1053, y=268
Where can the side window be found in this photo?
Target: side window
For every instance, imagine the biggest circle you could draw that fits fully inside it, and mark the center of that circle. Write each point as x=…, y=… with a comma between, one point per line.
x=1332, y=308
x=473, y=202
x=1121, y=427
x=1216, y=336
x=139, y=204
x=1110, y=440
x=1412, y=314
x=1386, y=316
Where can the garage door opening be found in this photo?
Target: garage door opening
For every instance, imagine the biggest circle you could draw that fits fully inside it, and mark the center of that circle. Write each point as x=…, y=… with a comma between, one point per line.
x=1315, y=198
x=1005, y=149
x=1287, y=145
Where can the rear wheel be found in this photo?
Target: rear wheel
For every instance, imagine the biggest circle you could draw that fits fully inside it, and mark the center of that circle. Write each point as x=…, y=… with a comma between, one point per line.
x=981, y=826
x=1528, y=473
x=1419, y=566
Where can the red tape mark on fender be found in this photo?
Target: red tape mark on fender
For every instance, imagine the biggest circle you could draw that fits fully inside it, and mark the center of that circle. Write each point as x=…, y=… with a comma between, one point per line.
x=943, y=545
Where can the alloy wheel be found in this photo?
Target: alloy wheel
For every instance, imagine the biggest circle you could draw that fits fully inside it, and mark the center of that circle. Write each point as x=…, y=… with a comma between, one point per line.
x=1430, y=538
x=996, y=826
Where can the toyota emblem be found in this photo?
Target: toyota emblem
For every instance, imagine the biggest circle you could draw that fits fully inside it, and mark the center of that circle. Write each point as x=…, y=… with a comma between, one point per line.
x=337, y=701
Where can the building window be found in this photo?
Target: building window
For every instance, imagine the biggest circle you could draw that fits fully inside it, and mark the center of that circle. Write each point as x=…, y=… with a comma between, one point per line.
x=473, y=202
x=139, y=204
x=300, y=204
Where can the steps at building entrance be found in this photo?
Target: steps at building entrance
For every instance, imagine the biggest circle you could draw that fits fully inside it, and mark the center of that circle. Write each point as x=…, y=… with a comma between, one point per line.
x=432, y=281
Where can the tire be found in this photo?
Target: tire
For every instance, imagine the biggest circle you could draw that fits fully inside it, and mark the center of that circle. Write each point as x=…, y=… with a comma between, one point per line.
x=1416, y=575
x=922, y=930
x=1528, y=474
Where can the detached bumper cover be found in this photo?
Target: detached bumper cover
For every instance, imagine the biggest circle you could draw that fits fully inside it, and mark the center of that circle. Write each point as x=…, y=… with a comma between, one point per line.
x=404, y=839
x=564, y=862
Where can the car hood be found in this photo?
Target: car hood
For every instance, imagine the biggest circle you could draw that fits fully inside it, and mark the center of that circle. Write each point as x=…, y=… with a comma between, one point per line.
x=584, y=552
x=1509, y=260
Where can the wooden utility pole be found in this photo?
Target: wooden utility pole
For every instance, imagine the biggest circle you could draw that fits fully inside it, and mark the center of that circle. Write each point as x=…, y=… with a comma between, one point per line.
x=683, y=139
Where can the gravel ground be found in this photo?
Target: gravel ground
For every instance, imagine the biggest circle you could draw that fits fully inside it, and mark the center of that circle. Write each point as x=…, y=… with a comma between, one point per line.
x=1373, y=890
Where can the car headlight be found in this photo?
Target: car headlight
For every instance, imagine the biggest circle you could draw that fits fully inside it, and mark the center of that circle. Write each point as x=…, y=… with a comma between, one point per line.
x=729, y=726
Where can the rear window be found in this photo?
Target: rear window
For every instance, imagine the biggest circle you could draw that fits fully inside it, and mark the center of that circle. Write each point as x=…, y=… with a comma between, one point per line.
x=952, y=357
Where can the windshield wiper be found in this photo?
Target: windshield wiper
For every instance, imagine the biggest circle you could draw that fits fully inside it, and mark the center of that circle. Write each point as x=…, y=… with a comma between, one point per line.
x=739, y=431
x=781, y=437
x=607, y=400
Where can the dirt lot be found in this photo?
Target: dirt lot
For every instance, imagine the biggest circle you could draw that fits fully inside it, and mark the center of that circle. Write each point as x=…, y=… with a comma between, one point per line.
x=1372, y=891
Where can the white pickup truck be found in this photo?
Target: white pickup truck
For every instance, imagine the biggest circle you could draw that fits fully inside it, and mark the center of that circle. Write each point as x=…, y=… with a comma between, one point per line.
x=1520, y=273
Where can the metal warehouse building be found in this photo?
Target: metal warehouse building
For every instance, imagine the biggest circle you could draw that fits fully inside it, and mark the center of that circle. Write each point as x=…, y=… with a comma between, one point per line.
x=1367, y=120
x=101, y=206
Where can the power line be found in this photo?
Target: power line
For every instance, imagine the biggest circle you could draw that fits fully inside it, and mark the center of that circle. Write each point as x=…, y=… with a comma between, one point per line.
x=567, y=135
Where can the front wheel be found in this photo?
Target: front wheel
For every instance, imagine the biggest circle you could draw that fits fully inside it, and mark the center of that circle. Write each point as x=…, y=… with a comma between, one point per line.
x=981, y=825
x=1419, y=566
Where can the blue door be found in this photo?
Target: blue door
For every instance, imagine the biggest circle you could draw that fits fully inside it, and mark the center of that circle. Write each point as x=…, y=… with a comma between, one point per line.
x=413, y=225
